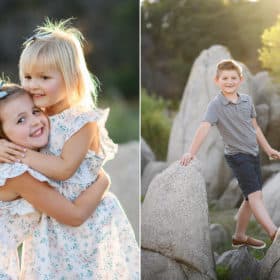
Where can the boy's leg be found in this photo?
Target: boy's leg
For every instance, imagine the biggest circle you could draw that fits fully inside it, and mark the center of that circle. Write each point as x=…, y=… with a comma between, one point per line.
x=243, y=218
x=260, y=212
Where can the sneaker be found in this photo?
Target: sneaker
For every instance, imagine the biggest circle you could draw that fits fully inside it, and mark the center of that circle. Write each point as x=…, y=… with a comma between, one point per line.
x=249, y=241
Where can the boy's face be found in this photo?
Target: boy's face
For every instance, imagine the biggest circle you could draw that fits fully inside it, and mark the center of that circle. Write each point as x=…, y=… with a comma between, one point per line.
x=24, y=123
x=228, y=81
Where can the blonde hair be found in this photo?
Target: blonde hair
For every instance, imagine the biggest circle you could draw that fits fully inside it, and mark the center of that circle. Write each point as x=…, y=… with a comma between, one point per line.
x=57, y=45
x=228, y=64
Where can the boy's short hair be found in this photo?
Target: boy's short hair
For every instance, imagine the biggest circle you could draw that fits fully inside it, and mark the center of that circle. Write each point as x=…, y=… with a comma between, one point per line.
x=228, y=64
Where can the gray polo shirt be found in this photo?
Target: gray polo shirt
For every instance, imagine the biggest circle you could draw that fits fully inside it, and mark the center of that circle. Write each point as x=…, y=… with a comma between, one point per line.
x=234, y=122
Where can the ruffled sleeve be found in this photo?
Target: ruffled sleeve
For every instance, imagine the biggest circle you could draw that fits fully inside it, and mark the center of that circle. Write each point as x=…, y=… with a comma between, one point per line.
x=108, y=147
x=81, y=118
x=12, y=170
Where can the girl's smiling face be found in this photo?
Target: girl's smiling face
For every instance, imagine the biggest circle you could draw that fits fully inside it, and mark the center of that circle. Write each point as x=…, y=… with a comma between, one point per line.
x=23, y=123
x=47, y=87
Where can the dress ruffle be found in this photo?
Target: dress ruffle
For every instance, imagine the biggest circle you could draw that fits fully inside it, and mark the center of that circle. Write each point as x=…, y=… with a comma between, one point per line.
x=19, y=206
x=76, y=117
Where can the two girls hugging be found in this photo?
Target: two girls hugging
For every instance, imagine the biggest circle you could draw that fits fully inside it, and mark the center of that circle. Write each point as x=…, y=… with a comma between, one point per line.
x=54, y=194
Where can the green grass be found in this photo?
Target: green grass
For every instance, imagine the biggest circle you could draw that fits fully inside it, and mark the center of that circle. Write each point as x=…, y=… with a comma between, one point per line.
x=123, y=121
x=222, y=272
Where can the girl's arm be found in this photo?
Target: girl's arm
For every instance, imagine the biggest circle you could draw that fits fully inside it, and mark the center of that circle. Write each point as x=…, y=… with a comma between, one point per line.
x=46, y=199
x=9, y=151
x=74, y=150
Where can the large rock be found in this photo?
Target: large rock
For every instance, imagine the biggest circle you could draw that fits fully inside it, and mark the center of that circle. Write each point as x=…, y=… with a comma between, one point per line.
x=241, y=264
x=270, y=264
x=263, y=88
x=273, y=129
x=262, y=116
x=155, y=266
x=271, y=196
x=150, y=171
x=147, y=154
x=219, y=236
x=175, y=218
x=199, y=91
x=270, y=170
x=124, y=172
x=232, y=197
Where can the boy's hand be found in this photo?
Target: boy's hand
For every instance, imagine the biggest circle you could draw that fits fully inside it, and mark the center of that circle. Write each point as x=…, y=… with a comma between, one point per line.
x=273, y=154
x=186, y=159
x=10, y=151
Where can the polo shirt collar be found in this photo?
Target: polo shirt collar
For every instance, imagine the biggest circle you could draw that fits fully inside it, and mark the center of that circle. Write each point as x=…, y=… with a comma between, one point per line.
x=225, y=101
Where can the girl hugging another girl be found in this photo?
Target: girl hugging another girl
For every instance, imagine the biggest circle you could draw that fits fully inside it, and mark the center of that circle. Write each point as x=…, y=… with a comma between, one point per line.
x=54, y=72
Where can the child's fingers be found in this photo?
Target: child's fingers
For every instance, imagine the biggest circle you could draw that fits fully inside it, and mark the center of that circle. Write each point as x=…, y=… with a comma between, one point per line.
x=15, y=147
x=183, y=161
x=6, y=160
x=15, y=153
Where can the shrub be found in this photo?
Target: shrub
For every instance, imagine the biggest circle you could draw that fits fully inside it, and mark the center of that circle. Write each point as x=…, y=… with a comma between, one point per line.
x=155, y=124
x=223, y=272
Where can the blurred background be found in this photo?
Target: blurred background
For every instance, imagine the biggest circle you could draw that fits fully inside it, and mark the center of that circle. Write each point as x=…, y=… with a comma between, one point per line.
x=181, y=43
x=173, y=34
x=112, y=49
x=111, y=30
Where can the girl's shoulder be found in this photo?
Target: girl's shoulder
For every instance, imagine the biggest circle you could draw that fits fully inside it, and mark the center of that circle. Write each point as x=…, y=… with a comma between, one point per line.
x=74, y=115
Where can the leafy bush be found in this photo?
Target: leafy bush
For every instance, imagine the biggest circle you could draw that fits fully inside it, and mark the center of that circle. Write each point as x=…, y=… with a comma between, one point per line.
x=155, y=124
x=222, y=272
x=123, y=121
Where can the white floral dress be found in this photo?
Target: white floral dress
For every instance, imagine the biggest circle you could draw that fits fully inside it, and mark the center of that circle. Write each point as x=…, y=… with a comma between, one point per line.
x=103, y=247
x=18, y=219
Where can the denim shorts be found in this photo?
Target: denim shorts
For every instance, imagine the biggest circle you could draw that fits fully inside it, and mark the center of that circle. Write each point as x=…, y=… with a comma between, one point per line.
x=246, y=168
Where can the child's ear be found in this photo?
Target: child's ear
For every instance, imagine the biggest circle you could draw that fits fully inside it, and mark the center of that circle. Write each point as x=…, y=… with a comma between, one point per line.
x=216, y=80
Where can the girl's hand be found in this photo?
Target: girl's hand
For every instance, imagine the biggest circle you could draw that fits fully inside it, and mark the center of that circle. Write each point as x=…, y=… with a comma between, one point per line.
x=105, y=177
x=10, y=152
x=186, y=159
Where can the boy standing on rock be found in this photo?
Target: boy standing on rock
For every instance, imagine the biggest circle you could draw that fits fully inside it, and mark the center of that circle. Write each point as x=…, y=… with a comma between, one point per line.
x=234, y=115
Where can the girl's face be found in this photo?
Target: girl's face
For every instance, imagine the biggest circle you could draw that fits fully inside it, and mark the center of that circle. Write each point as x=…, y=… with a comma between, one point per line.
x=24, y=123
x=47, y=88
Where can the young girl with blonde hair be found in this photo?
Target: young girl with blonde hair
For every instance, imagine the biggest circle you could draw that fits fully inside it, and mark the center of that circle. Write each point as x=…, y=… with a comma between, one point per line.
x=53, y=69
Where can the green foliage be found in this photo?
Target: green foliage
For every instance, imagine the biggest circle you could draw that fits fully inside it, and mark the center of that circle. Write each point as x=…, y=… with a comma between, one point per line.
x=270, y=51
x=175, y=32
x=111, y=29
x=123, y=121
x=223, y=272
x=155, y=124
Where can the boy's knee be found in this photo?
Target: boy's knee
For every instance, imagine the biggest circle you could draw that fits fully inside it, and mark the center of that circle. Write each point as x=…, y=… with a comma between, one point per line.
x=255, y=196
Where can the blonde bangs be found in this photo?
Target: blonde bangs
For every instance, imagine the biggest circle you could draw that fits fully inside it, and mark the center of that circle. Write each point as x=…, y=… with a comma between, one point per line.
x=36, y=57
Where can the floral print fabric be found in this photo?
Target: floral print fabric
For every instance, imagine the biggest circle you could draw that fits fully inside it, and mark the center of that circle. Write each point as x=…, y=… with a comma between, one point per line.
x=103, y=247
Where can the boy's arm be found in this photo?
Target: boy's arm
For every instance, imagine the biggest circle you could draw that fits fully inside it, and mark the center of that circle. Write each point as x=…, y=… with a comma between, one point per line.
x=272, y=153
x=198, y=139
x=44, y=198
x=74, y=150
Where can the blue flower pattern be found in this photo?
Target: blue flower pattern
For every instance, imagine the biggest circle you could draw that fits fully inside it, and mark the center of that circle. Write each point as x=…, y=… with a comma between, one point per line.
x=104, y=247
